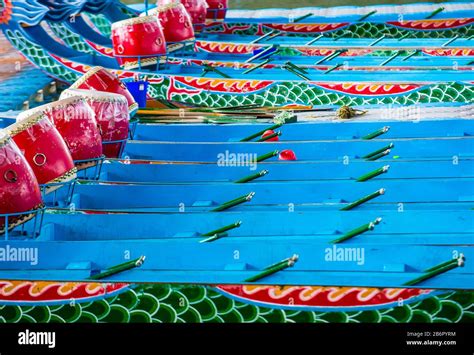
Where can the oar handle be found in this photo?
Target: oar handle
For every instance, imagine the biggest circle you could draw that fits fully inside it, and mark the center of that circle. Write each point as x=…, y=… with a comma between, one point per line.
x=373, y=174
x=301, y=18
x=333, y=68
x=378, y=151
x=259, y=133
x=377, y=40
x=415, y=52
x=208, y=67
x=214, y=237
x=272, y=269
x=358, y=231
x=234, y=202
x=438, y=270
x=255, y=67
x=223, y=229
x=389, y=59
x=364, y=17
x=270, y=136
x=252, y=177
x=267, y=156
x=363, y=200
x=434, y=13
x=380, y=155
x=314, y=40
x=119, y=268
x=377, y=133
x=290, y=69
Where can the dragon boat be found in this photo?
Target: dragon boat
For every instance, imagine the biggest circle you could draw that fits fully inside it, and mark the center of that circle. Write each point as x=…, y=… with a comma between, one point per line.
x=68, y=65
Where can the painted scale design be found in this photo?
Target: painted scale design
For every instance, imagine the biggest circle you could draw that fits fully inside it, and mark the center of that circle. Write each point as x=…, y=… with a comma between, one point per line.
x=446, y=29
x=70, y=38
x=74, y=41
x=209, y=92
x=195, y=304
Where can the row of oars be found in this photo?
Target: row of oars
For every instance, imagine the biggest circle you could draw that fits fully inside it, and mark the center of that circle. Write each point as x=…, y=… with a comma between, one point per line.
x=275, y=33
x=238, y=114
x=302, y=72
x=223, y=232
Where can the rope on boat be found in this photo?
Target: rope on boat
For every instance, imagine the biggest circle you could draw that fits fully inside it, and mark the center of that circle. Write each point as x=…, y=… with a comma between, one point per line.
x=378, y=151
x=234, y=202
x=119, y=268
x=259, y=133
x=364, y=17
x=252, y=177
x=358, y=231
x=373, y=173
x=434, y=13
x=438, y=270
x=283, y=117
x=363, y=200
x=274, y=268
x=270, y=136
x=377, y=133
x=346, y=112
x=267, y=156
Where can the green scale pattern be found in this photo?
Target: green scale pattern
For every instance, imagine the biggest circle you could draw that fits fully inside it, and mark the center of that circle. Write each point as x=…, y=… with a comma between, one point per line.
x=362, y=30
x=278, y=94
x=356, y=30
x=303, y=93
x=70, y=38
x=290, y=51
x=101, y=22
x=76, y=42
x=39, y=56
x=195, y=304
